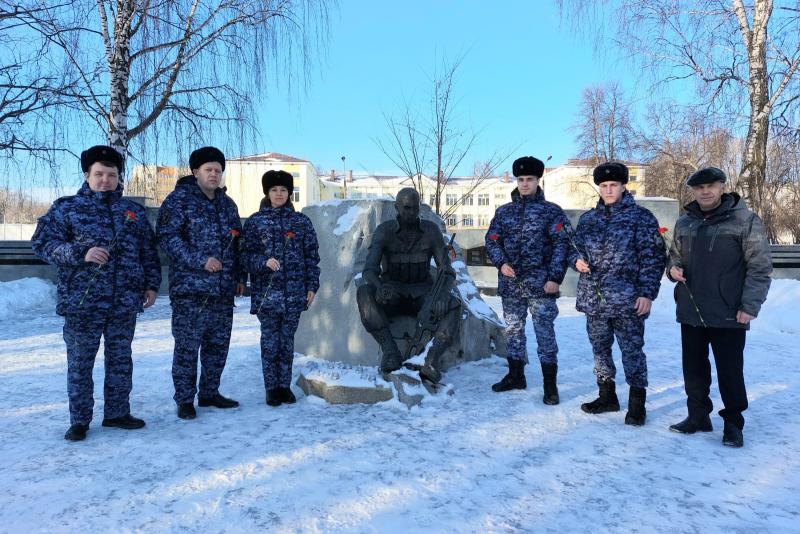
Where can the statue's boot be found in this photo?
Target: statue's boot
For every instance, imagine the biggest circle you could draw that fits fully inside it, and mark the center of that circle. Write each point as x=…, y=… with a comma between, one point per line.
x=430, y=369
x=391, y=359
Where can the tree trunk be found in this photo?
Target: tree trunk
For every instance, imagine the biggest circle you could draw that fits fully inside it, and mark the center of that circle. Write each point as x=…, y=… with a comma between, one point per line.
x=119, y=67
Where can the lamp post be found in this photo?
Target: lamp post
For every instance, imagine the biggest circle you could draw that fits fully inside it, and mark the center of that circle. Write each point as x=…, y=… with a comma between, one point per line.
x=344, y=176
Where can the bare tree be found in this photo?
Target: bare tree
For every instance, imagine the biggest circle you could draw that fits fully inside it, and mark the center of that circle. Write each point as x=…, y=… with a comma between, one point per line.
x=741, y=56
x=434, y=145
x=604, y=126
x=179, y=67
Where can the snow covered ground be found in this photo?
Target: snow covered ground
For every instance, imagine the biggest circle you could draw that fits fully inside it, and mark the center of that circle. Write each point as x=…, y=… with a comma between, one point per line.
x=475, y=462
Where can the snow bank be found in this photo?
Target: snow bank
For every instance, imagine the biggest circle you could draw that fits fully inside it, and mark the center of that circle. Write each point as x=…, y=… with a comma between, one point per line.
x=20, y=297
x=779, y=313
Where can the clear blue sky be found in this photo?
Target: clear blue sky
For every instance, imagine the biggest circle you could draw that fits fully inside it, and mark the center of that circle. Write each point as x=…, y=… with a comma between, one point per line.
x=520, y=81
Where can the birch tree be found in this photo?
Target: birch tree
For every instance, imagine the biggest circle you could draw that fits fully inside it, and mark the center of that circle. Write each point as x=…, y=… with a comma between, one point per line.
x=743, y=59
x=180, y=68
x=604, y=126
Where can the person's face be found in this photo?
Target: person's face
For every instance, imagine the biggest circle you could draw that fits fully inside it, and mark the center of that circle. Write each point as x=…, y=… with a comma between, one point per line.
x=102, y=178
x=527, y=184
x=611, y=192
x=407, y=209
x=209, y=176
x=708, y=195
x=278, y=195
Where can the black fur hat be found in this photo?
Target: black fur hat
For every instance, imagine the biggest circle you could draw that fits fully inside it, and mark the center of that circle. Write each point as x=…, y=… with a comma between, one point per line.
x=528, y=166
x=101, y=153
x=610, y=172
x=706, y=176
x=273, y=178
x=204, y=155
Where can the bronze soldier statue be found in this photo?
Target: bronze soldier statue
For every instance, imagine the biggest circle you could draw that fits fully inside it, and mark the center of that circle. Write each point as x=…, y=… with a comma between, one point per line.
x=398, y=282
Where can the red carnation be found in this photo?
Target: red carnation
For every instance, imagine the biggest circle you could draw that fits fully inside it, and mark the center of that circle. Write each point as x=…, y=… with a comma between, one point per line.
x=289, y=235
x=130, y=216
x=233, y=232
x=494, y=237
x=663, y=230
x=559, y=227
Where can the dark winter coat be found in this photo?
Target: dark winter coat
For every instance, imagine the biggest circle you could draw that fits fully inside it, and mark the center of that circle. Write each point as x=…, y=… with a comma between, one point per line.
x=72, y=226
x=289, y=237
x=192, y=228
x=626, y=255
x=726, y=263
x=528, y=234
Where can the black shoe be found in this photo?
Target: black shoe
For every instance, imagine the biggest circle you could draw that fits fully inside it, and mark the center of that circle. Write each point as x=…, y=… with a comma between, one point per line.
x=186, y=411
x=128, y=422
x=636, y=412
x=732, y=435
x=690, y=426
x=76, y=433
x=287, y=396
x=391, y=359
x=217, y=401
x=607, y=400
x=274, y=397
x=515, y=379
x=549, y=373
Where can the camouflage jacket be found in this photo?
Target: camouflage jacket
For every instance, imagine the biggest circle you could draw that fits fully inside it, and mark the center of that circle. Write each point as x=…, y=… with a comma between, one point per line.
x=289, y=237
x=191, y=228
x=72, y=226
x=527, y=234
x=626, y=255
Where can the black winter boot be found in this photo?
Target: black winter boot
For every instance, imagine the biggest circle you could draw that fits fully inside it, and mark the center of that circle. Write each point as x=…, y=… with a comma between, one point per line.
x=217, y=401
x=76, y=433
x=549, y=373
x=274, y=397
x=636, y=412
x=128, y=422
x=287, y=396
x=690, y=426
x=732, y=435
x=515, y=379
x=186, y=411
x=391, y=359
x=606, y=402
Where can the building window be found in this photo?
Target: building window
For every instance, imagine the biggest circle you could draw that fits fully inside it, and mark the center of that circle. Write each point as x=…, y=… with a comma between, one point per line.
x=467, y=200
x=296, y=174
x=431, y=200
x=467, y=220
x=632, y=177
x=296, y=195
x=451, y=221
x=483, y=220
x=633, y=193
x=483, y=199
x=450, y=199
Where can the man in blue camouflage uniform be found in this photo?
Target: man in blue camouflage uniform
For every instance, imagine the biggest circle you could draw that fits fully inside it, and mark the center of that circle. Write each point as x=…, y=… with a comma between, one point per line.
x=281, y=254
x=198, y=228
x=621, y=260
x=527, y=244
x=108, y=270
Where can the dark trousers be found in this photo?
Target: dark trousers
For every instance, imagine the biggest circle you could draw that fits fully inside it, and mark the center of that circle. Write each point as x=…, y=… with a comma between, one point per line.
x=277, y=347
x=82, y=336
x=728, y=347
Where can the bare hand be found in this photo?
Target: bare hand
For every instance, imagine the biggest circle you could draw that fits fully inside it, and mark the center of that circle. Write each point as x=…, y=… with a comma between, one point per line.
x=213, y=265
x=239, y=289
x=551, y=288
x=643, y=305
x=582, y=266
x=743, y=318
x=149, y=298
x=310, y=298
x=273, y=264
x=98, y=255
x=677, y=274
x=507, y=271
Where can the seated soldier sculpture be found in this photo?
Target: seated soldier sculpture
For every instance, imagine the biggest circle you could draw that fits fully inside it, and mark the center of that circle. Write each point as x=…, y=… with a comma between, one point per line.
x=398, y=281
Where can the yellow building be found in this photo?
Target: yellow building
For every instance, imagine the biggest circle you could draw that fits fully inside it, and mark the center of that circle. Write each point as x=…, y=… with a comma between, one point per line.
x=571, y=185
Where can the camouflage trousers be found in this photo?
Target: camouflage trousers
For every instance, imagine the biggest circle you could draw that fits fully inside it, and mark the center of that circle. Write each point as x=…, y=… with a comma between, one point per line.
x=543, y=313
x=82, y=336
x=277, y=347
x=205, y=329
x=629, y=330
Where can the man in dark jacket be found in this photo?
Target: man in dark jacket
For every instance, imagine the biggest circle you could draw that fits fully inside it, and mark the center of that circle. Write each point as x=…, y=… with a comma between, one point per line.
x=621, y=261
x=199, y=228
x=527, y=243
x=721, y=259
x=108, y=271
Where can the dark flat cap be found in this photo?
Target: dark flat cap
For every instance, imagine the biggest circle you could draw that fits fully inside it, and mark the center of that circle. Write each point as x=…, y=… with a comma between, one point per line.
x=610, y=172
x=204, y=155
x=273, y=178
x=528, y=166
x=706, y=176
x=101, y=153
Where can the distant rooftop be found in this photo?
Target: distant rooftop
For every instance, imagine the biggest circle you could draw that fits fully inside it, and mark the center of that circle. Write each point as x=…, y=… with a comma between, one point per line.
x=270, y=157
x=592, y=162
